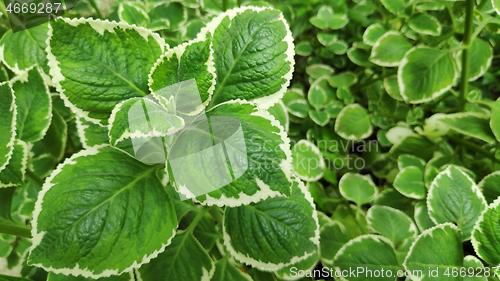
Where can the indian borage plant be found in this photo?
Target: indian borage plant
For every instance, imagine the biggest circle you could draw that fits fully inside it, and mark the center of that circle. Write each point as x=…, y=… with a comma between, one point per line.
x=103, y=212
x=419, y=79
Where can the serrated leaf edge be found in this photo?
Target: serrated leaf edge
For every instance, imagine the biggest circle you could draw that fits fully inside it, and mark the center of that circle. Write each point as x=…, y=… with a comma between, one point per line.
x=316, y=151
x=13, y=108
x=24, y=163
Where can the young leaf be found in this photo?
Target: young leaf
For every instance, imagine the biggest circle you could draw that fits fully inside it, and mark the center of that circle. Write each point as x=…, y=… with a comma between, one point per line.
x=353, y=255
x=425, y=24
x=437, y=249
x=485, y=237
x=454, y=197
x=392, y=88
x=471, y=124
x=13, y=174
x=299, y=108
x=141, y=117
x=390, y=49
x=278, y=231
x=332, y=237
x=33, y=42
x=353, y=123
x=192, y=60
x=114, y=215
x=358, y=188
x=8, y=124
x=318, y=70
x=408, y=160
x=34, y=106
x=410, y=182
x=183, y=259
x=109, y=63
x=425, y=74
x=327, y=19
x=308, y=163
x=391, y=223
x=227, y=271
x=252, y=63
x=342, y=80
x=240, y=154
x=320, y=117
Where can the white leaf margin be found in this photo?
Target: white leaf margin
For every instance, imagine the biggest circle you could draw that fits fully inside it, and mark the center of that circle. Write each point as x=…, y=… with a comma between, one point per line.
x=377, y=45
x=100, y=26
x=366, y=178
x=352, y=137
x=315, y=150
x=270, y=266
x=24, y=164
x=38, y=236
x=475, y=243
x=267, y=101
x=13, y=109
x=406, y=194
x=453, y=116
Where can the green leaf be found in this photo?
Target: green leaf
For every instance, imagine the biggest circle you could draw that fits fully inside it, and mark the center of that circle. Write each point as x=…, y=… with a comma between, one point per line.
x=13, y=174
x=61, y=277
x=303, y=49
x=308, y=162
x=274, y=232
x=34, y=106
x=174, y=12
x=486, y=237
x=319, y=117
x=11, y=278
x=8, y=124
x=318, y=70
x=410, y=182
x=422, y=218
x=454, y=197
x=54, y=140
x=357, y=188
x=141, y=117
x=188, y=62
x=496, y=5
x=252, y=63
x=415, y=145
x=471, y=124
x=476, y=265
x=481, y=55
x=227, y=271
x=373, y=33
x=91, y=134
x=435, y=251
x=332, y=237
x=184, y=259
x=353, y=255
x=408, y=160
x=91, y=79
x=394, y=6
x=425, y=24
x=391, y=223
x=280, y=112
x=32, y=52
x=133, y=14
x=353, y=123
x=299, y=108
x=489, y=186
x=113, y=206
x=317, y=96
x=390, y=49
x=392, y=88
x=327, y=19
x=343, y=80
x=425, y=74
x=359, y=56
x=240, y=154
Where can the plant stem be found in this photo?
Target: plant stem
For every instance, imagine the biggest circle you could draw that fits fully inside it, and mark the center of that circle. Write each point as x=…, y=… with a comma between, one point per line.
x=14, y=228
x=474, y=148
x=34, y=178
x=216, y=214
x=464, y=83
x=196, y=219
